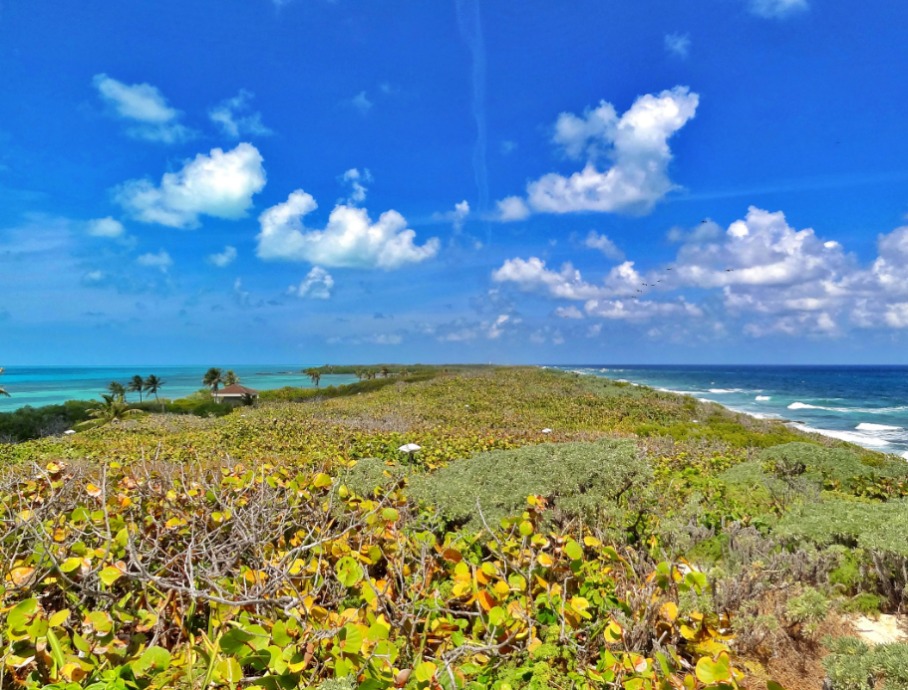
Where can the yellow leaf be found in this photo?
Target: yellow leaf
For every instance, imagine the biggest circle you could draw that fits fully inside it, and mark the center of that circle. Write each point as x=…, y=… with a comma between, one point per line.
x=714, y=670
x=321, y=481
x=109, y=575
x=58, y=619
x=19, y=576
x=545, y=560
x=669, y=611
x=613, y=632
x=592, y=542
x=93, y=490
x=501, y=588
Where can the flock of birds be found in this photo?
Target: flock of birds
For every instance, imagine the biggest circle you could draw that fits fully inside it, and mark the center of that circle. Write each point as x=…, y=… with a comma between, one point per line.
x=641, y=292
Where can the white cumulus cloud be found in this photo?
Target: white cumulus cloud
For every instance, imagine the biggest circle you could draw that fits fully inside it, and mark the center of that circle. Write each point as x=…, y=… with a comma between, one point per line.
x=350, y=239
x=235, y=117
x=224, y=258
x=634, y=148
x=145, y=108
x=105, y=227
x=220, y=184
x=317, y=284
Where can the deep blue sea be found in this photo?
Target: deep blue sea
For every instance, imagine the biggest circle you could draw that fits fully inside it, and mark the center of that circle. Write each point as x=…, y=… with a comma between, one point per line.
x=866, y=405
x=37, y=386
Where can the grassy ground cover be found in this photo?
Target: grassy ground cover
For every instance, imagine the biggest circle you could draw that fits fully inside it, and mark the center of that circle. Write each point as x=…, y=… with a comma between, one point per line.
x=648, y=541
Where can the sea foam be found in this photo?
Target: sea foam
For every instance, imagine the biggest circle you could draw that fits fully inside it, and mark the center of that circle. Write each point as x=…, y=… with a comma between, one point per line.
x=849, y=436
x=867, y=426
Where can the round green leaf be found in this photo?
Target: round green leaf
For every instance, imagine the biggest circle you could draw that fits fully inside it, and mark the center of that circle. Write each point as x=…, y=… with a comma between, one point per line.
x=348, y=571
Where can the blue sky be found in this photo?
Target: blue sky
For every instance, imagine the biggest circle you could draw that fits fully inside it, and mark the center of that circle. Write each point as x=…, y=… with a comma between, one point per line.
x=309, y=181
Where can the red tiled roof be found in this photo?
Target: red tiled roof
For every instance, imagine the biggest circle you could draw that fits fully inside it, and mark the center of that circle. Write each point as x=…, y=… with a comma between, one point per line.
x=237, y=390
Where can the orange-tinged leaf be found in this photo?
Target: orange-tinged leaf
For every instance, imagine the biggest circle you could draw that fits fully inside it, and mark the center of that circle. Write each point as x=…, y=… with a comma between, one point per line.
x=452, y=555
x=19, y=576
x=669, y=611
x=93, y=490
x=486, y=600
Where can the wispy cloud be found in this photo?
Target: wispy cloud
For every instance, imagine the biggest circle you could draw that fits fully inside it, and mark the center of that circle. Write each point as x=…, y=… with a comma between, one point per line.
x=160, y=260
x=677, y=45
x=224, y=258
x=777, y=9
x=469, y=21
x=145, y=108
x=361, y=103
x=235, y=117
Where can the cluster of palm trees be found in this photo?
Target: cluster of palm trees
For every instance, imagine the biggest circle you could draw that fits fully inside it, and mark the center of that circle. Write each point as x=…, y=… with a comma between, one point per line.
x=214, y=377
x=369, y=374
x=150, y=384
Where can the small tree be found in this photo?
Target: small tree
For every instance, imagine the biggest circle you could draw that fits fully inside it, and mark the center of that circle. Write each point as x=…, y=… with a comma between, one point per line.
x=151, y=385
x=136, y=385
x=116, y=390
x=213, y=379
x=2, y=389
x=112, y=409
x=230, y=378
x=314, y=374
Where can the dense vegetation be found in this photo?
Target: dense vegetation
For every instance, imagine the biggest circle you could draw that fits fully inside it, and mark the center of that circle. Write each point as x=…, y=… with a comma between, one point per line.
x=648, y=541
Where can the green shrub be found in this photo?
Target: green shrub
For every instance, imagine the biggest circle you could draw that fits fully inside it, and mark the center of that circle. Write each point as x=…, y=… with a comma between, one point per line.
x=841, y=469
x=600, y=481
x=807, y=610
x=852, y=665
x=865, y=604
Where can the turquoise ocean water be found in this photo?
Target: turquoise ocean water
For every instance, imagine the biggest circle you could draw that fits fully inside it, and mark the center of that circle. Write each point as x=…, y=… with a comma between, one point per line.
x=865, y=405
x=38, y=386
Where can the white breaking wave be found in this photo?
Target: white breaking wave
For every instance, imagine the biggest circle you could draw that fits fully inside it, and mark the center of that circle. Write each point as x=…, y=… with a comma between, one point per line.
x=864, y=410
x=725, y=390
x=849, y=436
x=867, y=426
x=762, y=398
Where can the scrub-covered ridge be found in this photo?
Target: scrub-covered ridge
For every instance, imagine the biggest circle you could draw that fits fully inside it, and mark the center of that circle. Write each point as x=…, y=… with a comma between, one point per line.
x=643, y=540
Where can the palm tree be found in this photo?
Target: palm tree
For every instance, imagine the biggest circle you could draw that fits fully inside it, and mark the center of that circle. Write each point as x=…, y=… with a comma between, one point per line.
x=314, y=374
x=114, y=408
x=116, y=390
x=151, y=385
x=213, y=379
x=230, y=378
x=136, y=385
x=2, y=389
